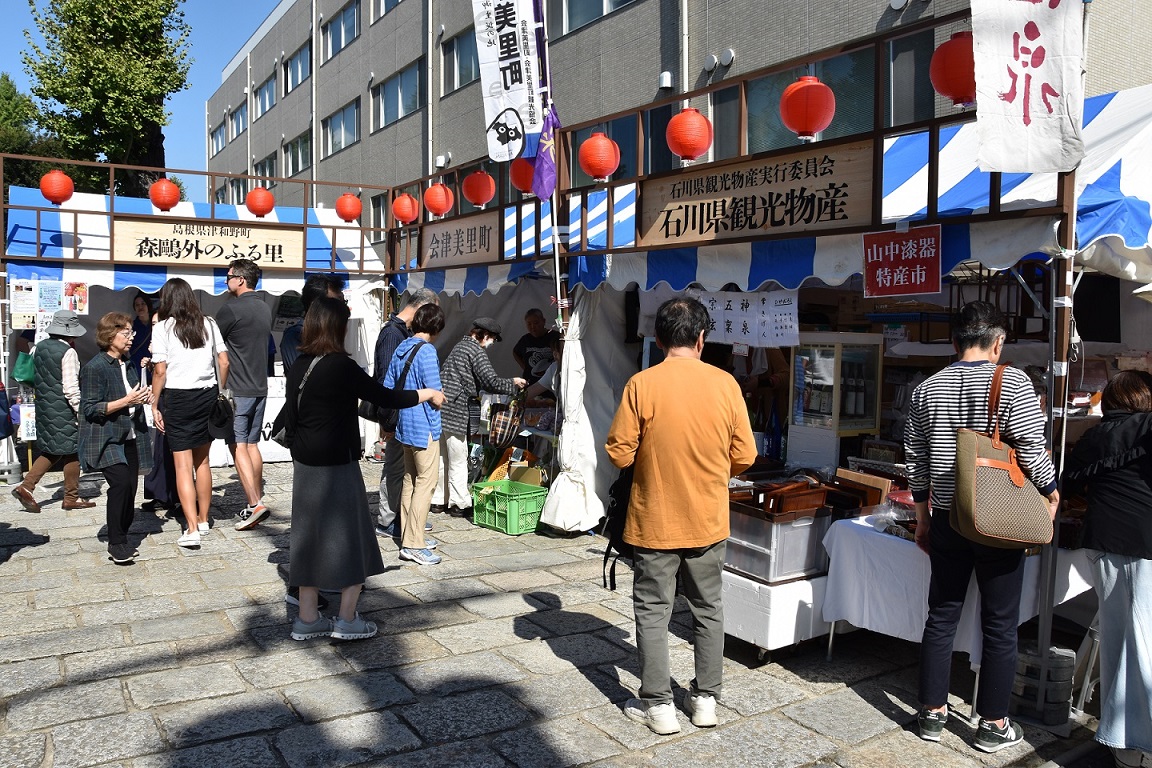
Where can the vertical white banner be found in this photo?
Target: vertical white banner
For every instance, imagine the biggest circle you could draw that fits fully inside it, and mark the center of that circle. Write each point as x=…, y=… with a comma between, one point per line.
x=509, y=76
x=1029, y=87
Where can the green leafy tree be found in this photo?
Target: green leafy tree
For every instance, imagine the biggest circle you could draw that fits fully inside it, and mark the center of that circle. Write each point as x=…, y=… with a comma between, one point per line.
x=102, y=76
x=19, y=136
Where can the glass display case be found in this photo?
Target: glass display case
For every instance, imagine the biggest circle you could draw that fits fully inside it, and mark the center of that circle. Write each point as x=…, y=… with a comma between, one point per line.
x=836, y=382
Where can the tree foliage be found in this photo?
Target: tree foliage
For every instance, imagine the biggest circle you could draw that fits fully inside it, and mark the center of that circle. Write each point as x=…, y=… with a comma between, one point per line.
x=19, y=136
x=102, y=76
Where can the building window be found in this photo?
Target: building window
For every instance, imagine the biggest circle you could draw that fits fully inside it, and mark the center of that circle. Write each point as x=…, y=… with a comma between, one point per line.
x=379, y=218
x=221, y=195
x=297, y=68
x=342, y=128
x=237, y=190
x=219, y=138
x=460, y=63
x=396, y=97
x=238, y=120
x=342, y=29
x=910, y=97
x=383, y=6
x=266, y=168
x=265, y=97
x=622, y=130
x=567, y=15
x=298, y=154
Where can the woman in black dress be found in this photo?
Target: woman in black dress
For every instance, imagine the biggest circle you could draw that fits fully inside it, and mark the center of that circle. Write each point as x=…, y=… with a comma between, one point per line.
x=333, y=541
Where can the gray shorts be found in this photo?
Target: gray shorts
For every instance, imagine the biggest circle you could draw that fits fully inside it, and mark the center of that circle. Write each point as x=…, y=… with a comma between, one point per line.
x=249, y=421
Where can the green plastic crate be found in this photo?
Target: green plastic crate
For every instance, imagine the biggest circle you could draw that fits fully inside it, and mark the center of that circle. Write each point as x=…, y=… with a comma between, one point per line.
x=508, y=506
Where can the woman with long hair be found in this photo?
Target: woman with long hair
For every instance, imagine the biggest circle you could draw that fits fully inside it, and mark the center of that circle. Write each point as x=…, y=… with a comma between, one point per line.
x=113, y=432
x=332, y=541
x=187, y=349
x=1113, y=461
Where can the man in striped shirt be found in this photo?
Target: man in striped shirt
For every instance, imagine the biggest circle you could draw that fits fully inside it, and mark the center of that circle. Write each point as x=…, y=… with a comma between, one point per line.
x=957, y=398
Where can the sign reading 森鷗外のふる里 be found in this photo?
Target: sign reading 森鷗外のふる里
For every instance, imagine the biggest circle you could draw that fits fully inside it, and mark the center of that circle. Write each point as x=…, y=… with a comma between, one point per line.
x=150, y=241
x=466, y=240
x=801, y=192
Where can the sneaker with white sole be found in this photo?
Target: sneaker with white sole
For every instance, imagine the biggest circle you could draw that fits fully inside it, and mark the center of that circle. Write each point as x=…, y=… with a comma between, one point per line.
x=189, y=540
x=660, y=718
x=322, y=627
x=702, y=709
x=989, y=738
x=420, y=556
x=253, y=517
x=357, y=629
x=203, y=528
x=931, y=724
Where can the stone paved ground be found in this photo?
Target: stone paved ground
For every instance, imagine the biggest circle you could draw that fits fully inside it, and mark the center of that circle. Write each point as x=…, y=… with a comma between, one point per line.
x=510, y=653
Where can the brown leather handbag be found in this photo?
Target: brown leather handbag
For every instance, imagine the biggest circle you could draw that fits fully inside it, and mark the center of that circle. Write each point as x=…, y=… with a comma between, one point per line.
x=995, y=503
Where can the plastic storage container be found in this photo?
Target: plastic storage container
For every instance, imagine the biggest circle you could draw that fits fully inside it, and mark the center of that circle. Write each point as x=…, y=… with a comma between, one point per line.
x=774, y=548
x=508, y=506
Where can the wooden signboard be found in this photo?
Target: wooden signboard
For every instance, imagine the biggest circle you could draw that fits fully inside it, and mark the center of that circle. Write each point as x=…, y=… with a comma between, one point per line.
x=801, y=192
x=155, y=241
x=472, y=240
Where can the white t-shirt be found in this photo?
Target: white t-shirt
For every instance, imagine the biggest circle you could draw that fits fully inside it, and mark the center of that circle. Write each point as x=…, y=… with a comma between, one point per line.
x=187, y=368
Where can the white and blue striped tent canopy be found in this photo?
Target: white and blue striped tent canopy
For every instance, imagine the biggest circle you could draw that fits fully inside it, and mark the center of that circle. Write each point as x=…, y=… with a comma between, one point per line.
x=74, y=247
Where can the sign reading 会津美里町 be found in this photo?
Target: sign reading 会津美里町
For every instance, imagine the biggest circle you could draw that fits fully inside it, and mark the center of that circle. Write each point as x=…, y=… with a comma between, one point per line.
x=465, y=240
x=801, y=192
x=210, y=245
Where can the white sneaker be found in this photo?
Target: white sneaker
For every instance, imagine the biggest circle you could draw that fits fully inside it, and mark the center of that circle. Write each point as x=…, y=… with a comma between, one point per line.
x=702, y=708
x=202, y=529
x=660, y=718
x=189, y=540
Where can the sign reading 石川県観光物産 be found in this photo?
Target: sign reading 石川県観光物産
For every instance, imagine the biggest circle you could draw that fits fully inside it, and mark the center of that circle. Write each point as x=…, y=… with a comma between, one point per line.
x=464, y=240
x=801, y=192
x=149, y=241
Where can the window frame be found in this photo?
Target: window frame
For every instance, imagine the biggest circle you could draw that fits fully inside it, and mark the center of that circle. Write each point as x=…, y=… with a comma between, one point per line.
x=292, y=149
x=302, y=57
x=563, y=9
x=339, y=21
x=218, y=138
x=326, y=126
x=451, y=49
x=238, y=116
x=379, y=93
x=266, y=169
x=382, y=7
x=265, y=97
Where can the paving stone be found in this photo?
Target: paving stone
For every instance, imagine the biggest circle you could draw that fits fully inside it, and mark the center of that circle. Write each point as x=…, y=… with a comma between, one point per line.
x=465, y=715
x=246, y=752
x=23, y=749
x=396, y=576
x=177, y=628
x=383, y=599
x=156, y=586
x=586, y=618
x=484, y=635
x=184, y=684
x=41, y=645
x=813, y=673
x=23, y=676
x=761, y=742
x=560, y=654
x=346, y=741
x=555, y=744
x=35, y=582
x=505, y=545
x=270, y=593
x=347, y=694
x=449, y=589
x=119, y=737
x=552, y=696
x=182, y=566
x=580, y=570
x=473, y=754
x=610, y=719
x=522, y=581
x=128, y=611
x=205, y=601
x=454, y=569
x=253, y=616
x=856, y=714
x=570, y=594
x=903, y=750
x=43, y=709
x=530, y=559
x=274, y=670
x=456, y=535
x=120, y=662
x=69, y=596
x=419, y=618
x=221, y=718
x=43, y=551
x=49, y=619
x=500, y=604
x=752, y=694
x=459, y=673
x=223, y=647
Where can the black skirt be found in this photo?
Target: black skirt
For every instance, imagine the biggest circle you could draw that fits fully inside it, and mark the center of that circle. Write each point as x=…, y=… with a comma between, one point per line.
x=185, y=414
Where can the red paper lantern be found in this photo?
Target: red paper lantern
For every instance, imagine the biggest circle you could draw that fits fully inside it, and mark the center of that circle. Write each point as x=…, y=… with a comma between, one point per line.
x=348, y=207
x=405, y=208
x=164, y=194
x=522, y=171
x=689, y=134
x=56, y=186
x=953, y=70
x=438, y=199
x=479, y=188
x=260, y=202
x=807, y=107
x=599, y=156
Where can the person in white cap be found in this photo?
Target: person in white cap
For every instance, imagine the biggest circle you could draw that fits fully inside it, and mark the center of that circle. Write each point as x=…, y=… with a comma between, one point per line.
x=57, y=386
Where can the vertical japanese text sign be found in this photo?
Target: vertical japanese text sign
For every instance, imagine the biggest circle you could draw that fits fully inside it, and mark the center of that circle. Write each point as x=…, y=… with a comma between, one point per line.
x=902, y=263
x=506, y=52
x=1029, y=87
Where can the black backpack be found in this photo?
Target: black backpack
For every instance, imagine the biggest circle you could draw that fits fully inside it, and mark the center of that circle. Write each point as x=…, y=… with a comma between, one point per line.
x=615, y=515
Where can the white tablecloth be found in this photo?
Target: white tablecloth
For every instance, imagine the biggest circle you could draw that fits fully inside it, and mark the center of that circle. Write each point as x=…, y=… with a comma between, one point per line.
x=880, y=582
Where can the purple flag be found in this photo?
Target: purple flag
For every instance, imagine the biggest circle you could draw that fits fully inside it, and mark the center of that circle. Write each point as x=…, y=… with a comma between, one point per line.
x=544, y=179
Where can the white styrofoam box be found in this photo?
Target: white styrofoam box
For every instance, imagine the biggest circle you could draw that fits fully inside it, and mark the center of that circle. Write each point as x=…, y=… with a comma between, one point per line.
x=774, y=616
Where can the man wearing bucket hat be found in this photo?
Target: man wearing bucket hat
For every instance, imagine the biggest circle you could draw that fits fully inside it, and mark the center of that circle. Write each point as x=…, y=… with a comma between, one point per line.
x=57, y=386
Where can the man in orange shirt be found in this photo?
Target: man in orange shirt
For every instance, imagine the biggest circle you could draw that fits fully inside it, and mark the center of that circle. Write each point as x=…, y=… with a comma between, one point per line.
x=684, y=426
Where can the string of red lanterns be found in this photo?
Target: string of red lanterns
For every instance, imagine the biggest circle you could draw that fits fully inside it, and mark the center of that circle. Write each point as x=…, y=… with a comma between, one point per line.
x=405, y=208
x=953, y=70
x=438, y=199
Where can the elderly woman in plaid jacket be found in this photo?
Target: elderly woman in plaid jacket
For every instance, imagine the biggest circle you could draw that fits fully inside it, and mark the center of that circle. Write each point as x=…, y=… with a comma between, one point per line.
x=465, y=373
x=113, y=430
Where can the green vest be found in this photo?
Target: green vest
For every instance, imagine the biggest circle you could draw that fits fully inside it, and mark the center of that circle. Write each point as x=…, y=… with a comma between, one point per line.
x=56, y=428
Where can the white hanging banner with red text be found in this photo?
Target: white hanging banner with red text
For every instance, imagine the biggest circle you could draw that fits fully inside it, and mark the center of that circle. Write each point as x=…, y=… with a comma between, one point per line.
x=1029, y=86
x=902, y=263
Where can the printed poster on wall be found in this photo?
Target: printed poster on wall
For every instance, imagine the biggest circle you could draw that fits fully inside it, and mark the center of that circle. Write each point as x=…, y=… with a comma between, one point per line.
x=781, y=325
x=754, y=319
x=510, y=75
x=902, y=263
x=25, y=301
